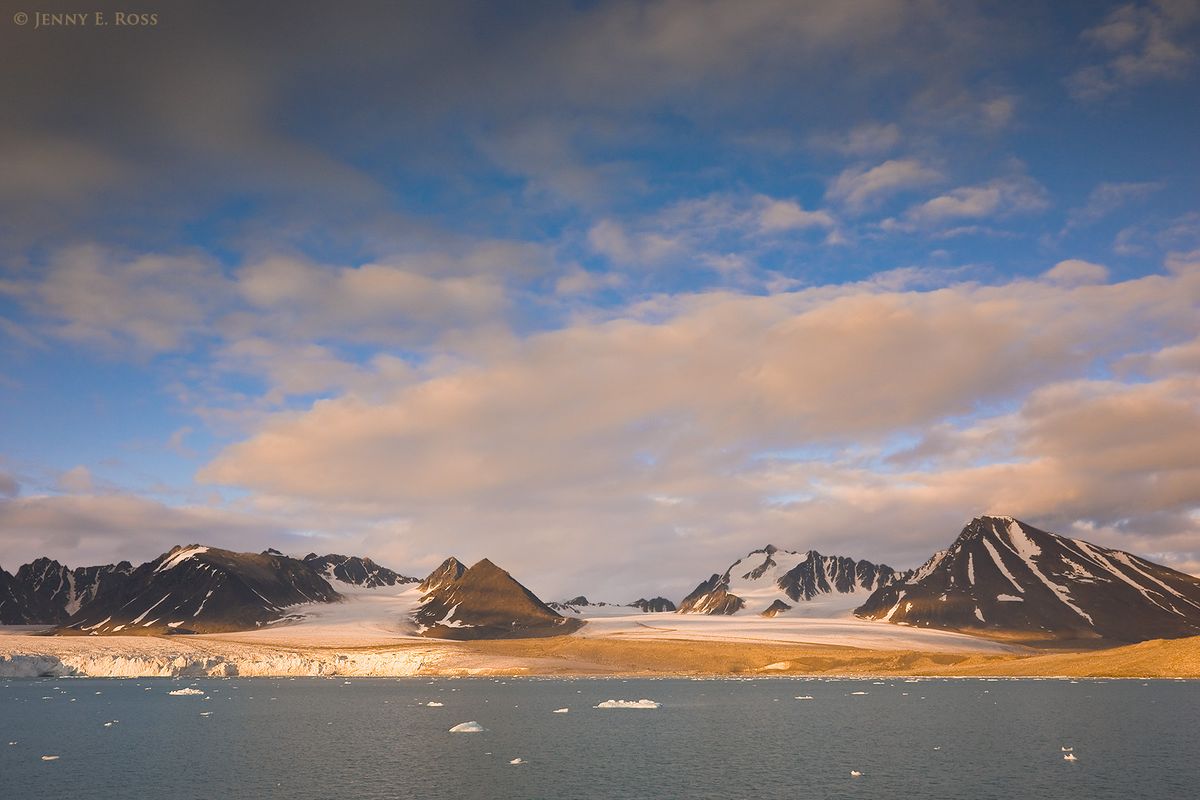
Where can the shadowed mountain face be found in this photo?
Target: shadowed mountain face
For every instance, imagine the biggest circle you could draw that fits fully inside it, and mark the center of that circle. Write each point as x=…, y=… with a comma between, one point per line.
x=354, y=570
x=1002, y=575
x=778, y=580
x=483, y=602
x=44, y=592
x=198, y=589
x=655, y=605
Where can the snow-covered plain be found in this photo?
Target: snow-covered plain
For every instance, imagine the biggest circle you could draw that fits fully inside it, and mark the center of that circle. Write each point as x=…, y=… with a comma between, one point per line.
x=843, y=630
x=371, y=633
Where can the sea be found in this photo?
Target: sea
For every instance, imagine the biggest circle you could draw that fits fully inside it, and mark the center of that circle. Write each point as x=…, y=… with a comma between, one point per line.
x=294, y=739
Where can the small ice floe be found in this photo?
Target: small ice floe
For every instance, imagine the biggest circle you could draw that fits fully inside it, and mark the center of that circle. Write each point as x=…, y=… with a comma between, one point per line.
x=803, y=697
x=467, y=727
x=517, y=761
x=188, y=692
x=1066, y=749
x=855, y=773
x=1070, y=757
x=643, y=703
x=855, y=693
x=561, y=710
x=108, y=724
x=206, y=713
x=49, y=758
x=434, y=704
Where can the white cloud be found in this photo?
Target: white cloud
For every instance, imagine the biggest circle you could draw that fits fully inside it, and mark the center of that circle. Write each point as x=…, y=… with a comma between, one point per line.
x=723, y=401
x=995, y=199
x=859, y=188
x=783, y=215
x=1143, y=43
x=1076, y=272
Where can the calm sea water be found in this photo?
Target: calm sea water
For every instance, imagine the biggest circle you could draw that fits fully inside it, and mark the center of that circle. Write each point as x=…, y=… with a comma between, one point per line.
x=728, y=739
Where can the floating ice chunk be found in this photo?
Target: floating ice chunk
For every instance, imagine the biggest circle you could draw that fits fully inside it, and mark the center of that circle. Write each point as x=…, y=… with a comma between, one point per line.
x=561, y=710
x=643, y=703
x=517, y=761
x=1066, y=749
x=857, y=693
x=434, y=704
x=206, y=713
x=49, y=758
x=468, y=727
x=804, y=697
x=1070, y=757
x=185, y=692
x=855, y=773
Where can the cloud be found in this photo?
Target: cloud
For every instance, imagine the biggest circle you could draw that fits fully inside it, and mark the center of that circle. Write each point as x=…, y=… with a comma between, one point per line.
x=998, y=198
x=1142, y=43
x=867, y=139
x=859, y=188
x=84, y=529
x=372, y=302
x=1107, y=198
x=77, y=480
x=151, y=302
x=723, y=401
x=1076, y=272
x=784, y=215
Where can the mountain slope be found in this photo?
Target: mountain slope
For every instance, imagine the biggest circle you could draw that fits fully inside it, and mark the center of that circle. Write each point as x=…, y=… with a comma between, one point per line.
x=779, y=581
x=1002, y=575
x=44, y=592
x=483, y=602
x=197, y=589
x=355, y=570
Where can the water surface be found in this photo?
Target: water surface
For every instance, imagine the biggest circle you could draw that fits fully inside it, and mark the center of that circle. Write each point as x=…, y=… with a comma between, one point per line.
x=728, y=739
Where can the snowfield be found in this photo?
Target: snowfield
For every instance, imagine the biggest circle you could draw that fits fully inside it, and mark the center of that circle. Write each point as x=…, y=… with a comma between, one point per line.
x=842, y=630
x=371, y=634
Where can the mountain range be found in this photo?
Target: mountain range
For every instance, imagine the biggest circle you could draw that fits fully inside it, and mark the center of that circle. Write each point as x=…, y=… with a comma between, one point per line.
x=999, y=578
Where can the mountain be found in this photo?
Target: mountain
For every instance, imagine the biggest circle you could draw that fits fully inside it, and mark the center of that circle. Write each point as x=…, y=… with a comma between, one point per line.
x=354, y=570
x=483, y=602
x=1004, y=576
x=653, y=605
x=777, y=581
x=577, y=605
x=44, y=592
x=197, y=589
x=581, y=605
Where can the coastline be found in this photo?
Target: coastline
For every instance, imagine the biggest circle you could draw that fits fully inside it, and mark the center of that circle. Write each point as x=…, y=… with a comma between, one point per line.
x=29, y=656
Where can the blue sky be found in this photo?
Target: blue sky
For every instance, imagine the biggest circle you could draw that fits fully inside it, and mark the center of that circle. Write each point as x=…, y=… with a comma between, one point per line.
x=608, y=292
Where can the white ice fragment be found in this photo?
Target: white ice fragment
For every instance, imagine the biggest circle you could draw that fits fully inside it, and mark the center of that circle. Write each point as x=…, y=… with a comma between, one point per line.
x=643, y=703
x=517, y=761
x=185, y=692
x=49, y=758
x=468, y=727
x=434, y=704
x=561, y=710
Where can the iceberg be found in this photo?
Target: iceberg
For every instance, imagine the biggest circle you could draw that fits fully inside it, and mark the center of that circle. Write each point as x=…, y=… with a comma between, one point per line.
x=643, y=703
x=467, y=727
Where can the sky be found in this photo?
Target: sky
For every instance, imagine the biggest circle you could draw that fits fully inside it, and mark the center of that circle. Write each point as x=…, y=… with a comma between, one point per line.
x=608, y=292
